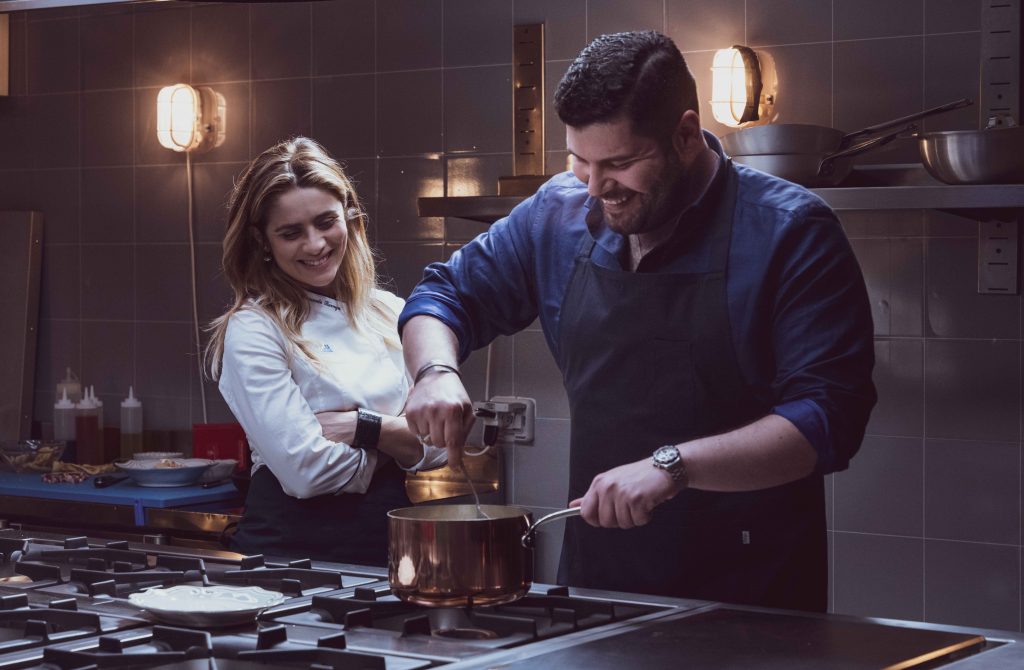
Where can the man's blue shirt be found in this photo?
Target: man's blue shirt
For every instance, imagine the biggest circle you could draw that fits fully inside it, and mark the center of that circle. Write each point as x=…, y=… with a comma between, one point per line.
x=799, y=312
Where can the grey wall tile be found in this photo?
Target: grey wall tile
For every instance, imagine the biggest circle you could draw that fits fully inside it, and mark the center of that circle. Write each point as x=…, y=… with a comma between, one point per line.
x=15, y=136
x=402, y=180
x=59, y=347
x=165, y=414
x=217, y=411
x=54, y=131
x=107, y=130
x=107, y=289
x=470, y=126
x=108, y=356
x=538, y=377
x=281, y=34
x=55, y=194
x=547, y=547
x=343, y=37
x=59, y=283
x=477, y=32
x=408, y=34
x=899, y=379
x=237, y=126
x=215, y=296
x=280, y=109
x=876, y=81
x=161, y=55
x=805, y=83
x=954, y=307
x=882, y=223
x=163, y=361
x=344, y=114
x=220, y=43
x=107, y=43
x=951, y=16
x=53, y=57
x=162, y=281
x=18, y=81
x=946, y=224
x=893, y=271
x=403, y=263
x=788, y=21
x=542, y=469
x=161, y=204
x=972, y=584
x=972, y=390
x=859, y=19
x=565, y=24
x=211, y=186
x=695, y=29
x=972, y=491
x=951, y=72
x=882, y=492
x=554, y=129
x=878, y=576
x=610, y=16
x=474, y=370
x=107, y=203
x=409, y=113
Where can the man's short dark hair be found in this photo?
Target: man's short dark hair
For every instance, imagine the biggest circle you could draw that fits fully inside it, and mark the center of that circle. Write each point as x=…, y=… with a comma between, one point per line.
x=638, y=75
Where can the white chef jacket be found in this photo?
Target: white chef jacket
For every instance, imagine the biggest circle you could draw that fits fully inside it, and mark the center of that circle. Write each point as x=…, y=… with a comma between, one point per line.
x=275, y=397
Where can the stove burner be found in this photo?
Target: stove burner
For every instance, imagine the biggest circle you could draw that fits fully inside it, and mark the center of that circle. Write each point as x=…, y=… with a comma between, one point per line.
x=466, y=633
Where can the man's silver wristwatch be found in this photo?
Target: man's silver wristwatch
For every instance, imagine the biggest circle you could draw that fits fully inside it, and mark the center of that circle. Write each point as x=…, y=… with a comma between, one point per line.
x=668, y=459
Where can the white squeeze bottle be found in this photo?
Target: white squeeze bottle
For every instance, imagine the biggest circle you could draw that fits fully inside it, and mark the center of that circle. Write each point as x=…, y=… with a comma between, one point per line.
x=99, y=406
x=131, y=425
x=64, y=419
x=71, y=385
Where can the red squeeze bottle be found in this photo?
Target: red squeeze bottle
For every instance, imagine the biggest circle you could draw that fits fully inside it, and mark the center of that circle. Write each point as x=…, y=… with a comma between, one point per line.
x=87, y=436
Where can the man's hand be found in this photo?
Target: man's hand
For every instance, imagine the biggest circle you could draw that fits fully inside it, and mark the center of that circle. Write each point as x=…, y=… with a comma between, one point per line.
x=339, y=426
x=439, y=411
x=625, y=497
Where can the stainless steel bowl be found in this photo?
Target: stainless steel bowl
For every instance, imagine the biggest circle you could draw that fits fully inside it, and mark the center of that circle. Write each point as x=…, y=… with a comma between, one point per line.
x=990, y=156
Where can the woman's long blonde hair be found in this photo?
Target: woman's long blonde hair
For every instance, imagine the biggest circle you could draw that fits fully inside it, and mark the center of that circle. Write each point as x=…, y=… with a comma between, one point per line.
x=296, y=163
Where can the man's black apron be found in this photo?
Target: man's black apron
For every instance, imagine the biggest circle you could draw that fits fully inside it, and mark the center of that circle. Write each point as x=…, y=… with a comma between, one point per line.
x=648, y=360
x=345, y=528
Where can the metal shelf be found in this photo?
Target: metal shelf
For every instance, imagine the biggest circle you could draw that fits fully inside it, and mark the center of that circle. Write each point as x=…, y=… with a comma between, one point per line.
x=965, y=199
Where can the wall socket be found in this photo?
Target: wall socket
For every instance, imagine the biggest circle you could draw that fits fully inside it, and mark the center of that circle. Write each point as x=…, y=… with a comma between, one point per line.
x=514, y=416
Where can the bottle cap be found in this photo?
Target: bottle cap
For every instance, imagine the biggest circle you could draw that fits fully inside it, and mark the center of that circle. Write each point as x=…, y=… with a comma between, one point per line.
x=92, y=394
x=64, y=403
x=131, y=400
x=86, y=402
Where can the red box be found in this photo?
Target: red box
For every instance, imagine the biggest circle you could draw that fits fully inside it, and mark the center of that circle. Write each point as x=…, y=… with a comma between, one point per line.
x=221, y=440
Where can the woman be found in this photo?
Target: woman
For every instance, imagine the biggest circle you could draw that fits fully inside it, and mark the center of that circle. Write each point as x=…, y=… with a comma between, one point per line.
x=309, y=361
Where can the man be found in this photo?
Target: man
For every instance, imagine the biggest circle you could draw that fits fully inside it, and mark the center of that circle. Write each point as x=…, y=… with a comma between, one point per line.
x=699, y=310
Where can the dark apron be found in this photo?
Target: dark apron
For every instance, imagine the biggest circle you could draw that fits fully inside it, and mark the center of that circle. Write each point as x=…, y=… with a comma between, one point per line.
x=648, y=360
x=346, y=528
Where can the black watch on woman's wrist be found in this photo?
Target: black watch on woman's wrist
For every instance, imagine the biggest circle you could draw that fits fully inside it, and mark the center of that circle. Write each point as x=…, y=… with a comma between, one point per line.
x=367, y=429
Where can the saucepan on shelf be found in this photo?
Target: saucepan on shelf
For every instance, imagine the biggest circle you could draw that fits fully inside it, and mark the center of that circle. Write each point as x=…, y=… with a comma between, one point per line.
x=813, y=155
x=456, y=555
x=989, y=156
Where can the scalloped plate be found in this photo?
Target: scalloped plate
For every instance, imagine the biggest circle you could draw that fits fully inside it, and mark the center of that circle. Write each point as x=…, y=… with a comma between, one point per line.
x=183, y=472
x=206, y=605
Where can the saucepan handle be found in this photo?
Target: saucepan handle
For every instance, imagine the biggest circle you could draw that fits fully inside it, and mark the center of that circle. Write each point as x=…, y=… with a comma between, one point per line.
x=554, y=516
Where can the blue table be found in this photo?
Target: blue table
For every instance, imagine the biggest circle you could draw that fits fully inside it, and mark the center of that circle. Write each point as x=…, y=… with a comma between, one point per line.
x=122, y=493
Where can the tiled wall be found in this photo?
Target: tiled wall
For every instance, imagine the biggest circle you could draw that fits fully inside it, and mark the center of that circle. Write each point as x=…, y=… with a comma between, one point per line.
x=415, y=95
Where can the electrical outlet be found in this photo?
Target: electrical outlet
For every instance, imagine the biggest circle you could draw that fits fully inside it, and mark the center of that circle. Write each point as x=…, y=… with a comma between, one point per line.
x=516, y=416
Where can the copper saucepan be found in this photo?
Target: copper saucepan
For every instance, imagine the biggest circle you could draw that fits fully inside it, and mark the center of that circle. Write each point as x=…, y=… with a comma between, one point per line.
x=455, y=555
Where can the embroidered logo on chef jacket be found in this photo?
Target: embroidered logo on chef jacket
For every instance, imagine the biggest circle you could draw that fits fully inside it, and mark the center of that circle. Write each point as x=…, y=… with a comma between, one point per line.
x=326, y=348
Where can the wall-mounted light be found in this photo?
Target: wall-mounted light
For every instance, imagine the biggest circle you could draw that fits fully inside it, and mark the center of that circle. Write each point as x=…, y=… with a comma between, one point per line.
x=742, y=87
x=189, y=119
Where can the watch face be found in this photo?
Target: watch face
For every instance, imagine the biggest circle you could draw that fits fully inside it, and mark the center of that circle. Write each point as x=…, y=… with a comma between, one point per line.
x=666, y=455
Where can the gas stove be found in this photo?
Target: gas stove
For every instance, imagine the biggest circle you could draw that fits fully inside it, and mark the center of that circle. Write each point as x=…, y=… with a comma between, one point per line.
x=64, y=603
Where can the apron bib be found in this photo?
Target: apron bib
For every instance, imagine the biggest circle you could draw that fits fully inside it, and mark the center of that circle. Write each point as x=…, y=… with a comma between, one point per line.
x=648, y=360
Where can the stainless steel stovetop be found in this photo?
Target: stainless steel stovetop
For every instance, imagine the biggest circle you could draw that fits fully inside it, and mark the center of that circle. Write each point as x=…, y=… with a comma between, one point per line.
x=64, y=604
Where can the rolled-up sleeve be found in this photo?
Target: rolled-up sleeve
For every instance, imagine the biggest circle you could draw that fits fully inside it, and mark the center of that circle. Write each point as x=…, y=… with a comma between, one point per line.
x=822, y=338
x=282, y=429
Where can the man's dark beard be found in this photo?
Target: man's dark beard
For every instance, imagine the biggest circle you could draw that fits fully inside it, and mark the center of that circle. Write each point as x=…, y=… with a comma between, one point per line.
x=666, y=196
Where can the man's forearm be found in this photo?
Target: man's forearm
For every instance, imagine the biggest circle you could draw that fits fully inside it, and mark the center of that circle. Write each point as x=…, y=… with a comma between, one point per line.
x=426, y=339
x=769, y=452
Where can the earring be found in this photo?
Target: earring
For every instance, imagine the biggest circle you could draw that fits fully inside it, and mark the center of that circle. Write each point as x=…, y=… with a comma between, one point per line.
x=266, y=255
x=266, y=259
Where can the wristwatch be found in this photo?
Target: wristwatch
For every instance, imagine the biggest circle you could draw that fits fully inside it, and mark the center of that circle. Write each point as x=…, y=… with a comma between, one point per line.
x=668, y=459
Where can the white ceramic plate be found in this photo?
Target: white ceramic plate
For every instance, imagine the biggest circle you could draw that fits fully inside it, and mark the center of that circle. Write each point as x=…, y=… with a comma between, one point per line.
x=206, y=605
x=166, y=471
x=157, y=455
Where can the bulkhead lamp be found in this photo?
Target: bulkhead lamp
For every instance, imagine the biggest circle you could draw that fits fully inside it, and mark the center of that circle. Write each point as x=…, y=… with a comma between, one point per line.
x=190, y=119
x=741, y=93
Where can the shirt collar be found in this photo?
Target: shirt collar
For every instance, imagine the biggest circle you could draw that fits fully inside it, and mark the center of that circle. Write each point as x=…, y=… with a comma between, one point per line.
x=323, y=300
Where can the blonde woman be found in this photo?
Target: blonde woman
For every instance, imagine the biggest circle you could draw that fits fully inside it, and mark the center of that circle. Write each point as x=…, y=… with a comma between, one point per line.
x=308, y=360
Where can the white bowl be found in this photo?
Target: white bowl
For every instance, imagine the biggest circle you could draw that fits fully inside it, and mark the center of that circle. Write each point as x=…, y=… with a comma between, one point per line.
x=166, y=471
x=156, y=455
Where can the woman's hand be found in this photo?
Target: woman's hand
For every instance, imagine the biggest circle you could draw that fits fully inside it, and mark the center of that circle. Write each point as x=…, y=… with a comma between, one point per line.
x=339, y=426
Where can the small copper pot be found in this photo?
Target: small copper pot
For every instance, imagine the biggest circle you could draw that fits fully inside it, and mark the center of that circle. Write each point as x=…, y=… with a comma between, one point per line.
x=455, y=555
